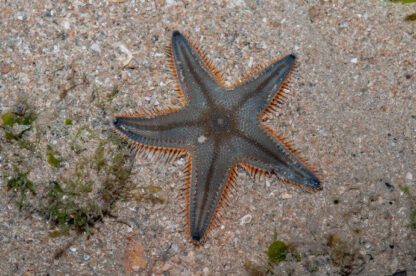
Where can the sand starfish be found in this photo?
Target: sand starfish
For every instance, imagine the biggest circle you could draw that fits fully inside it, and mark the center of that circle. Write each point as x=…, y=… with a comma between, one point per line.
x=219, y=127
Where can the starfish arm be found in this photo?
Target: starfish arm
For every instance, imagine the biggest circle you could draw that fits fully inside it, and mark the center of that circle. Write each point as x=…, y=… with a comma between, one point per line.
x=197, y=81
x=171, y=130
x=256, y=94
x=266, y=152
x=212, y=171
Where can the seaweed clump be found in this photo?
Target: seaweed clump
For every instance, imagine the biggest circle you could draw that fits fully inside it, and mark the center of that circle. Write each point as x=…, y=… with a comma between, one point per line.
x=277, y=252
x=77, y=202
x=20, y=184
x=344, y=255
x=17, y=122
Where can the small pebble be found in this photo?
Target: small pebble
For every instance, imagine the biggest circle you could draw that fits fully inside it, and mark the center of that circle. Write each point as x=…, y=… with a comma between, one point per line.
x=191, y=257
x=65, y=24
x=5, y=68
x=354, y=60
x=96, y=48
x=235, y=241
x=409, y=176
x=246, y=219
x=84, y=257
x=166, y=267
x=285, y=196
x=124, y=76
x=174, y=247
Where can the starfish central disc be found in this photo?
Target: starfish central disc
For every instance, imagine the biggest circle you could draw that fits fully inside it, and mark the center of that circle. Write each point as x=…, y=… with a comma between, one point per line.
x=220, y=122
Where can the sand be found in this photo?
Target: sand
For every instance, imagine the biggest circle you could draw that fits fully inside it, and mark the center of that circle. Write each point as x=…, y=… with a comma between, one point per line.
x=351, y=114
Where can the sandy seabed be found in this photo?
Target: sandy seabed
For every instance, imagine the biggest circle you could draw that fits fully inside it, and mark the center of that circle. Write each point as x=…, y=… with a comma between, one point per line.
x=351, y=114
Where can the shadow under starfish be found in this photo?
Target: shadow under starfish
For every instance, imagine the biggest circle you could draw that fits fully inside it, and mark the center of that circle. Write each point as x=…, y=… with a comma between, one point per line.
x=220, y=128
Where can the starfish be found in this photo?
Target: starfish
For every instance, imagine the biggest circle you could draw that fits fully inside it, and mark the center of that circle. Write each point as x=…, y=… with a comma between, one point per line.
x=219, y=128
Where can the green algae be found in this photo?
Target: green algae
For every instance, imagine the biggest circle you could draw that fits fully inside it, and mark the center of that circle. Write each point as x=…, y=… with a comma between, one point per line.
x=72, y=203
x=405, y=189
x=277, y=252
x=68, y=121
x=8, y=119
x=413, y=219
x=20, y=184
x=64, y=210
x=404, y=1
x=51, y=157
x=412, y=215
x=21, y=116
x=113, y=93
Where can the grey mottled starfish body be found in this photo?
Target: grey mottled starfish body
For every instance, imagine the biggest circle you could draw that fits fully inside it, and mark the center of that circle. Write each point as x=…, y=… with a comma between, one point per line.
x=220, y=128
